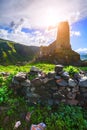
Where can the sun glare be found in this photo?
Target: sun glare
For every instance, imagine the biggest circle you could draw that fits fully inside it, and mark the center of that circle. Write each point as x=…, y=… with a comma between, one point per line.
x=52, y=17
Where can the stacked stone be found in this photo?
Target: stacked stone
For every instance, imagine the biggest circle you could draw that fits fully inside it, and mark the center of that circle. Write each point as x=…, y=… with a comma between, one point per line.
x=52, y=88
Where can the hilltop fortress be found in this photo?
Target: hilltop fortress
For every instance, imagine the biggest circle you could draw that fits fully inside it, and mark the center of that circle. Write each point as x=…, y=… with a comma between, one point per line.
x=60, y=51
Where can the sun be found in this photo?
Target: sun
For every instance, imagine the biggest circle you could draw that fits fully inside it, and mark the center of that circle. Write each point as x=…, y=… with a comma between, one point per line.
x=52, y=17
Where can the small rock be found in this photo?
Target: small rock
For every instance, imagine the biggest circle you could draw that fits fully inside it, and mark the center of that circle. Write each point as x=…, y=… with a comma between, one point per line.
x=57, y=77
x=26, y=83
x=58, y=95
x=62, y=83
x=63, y=100
x=32, y=89
x=72, y=83
x=86, y=74
x=5, y=74
x=50, y=84
x=83, y=89
x=65, y=75
x=35, y=69
x=54, y=88
x=15, y=81
x=59, y=69
x=37, y=82
x=21, y=76
x=50, y=81
x=17, y=124
x=28, y=116
x=43, y=75
x=71, y=95
x=83, y=82
x=40, y=126
x=75, y=89
x=33, y=95
x=45, y=80
x=51, y=74
x=68, y=89
x=77, y=76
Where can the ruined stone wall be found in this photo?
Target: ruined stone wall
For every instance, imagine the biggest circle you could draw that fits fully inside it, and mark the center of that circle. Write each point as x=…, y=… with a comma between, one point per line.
x=60, y=52
x=52, y=88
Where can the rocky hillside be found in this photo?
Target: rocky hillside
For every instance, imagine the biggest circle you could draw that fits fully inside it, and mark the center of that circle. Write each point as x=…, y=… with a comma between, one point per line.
x=11, y=52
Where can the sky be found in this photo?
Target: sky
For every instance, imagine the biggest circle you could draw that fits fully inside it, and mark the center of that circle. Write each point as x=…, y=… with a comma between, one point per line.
x=34, y=22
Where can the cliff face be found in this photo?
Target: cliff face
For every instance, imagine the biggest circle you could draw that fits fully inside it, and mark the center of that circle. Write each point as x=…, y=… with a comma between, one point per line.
x=12, y=53
x=60, y=51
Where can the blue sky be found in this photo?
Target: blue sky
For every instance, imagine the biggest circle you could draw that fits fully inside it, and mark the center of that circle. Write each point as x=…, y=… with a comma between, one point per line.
x=34, y=22
x=81, y=40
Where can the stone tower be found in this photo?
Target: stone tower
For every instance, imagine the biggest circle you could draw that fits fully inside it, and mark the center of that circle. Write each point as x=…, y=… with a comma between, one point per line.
x=60, y=51
x=63, y=36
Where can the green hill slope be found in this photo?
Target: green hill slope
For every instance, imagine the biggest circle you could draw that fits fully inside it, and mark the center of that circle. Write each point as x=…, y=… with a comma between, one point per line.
x=12, y=53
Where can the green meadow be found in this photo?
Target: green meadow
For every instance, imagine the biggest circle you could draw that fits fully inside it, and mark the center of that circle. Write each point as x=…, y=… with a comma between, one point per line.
x=12, y=107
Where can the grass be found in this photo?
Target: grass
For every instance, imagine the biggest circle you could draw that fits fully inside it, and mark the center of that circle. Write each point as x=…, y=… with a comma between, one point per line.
x=83, y=68
x=62, y=117
x=26, y=68
x=46, y=67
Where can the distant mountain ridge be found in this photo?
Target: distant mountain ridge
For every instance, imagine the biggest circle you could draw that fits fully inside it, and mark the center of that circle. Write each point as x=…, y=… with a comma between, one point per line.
x=83, y=56
x=12, y=53
x=83, y=53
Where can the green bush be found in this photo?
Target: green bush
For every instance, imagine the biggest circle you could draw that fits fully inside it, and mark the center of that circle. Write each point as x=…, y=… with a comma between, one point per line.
x=62, y=117
x=3, y=94
x=71, y=70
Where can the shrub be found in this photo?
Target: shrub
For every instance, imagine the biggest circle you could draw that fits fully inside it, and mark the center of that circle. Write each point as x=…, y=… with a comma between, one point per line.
x=71, y=70
x=3, y=94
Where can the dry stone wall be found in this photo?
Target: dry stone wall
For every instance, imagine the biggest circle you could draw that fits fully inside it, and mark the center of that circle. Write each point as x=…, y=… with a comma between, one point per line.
x=51, y=88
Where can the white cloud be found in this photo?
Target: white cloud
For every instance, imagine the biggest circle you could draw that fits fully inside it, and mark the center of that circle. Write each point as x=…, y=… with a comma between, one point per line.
x=82, y=50
x=3, y=33
x=36, y=38
x=17, y=26
x=38, y=11
x=38, y=14
x=75, y=33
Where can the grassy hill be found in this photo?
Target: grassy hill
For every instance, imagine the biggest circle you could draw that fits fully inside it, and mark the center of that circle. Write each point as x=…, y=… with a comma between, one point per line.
x=12, y=53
